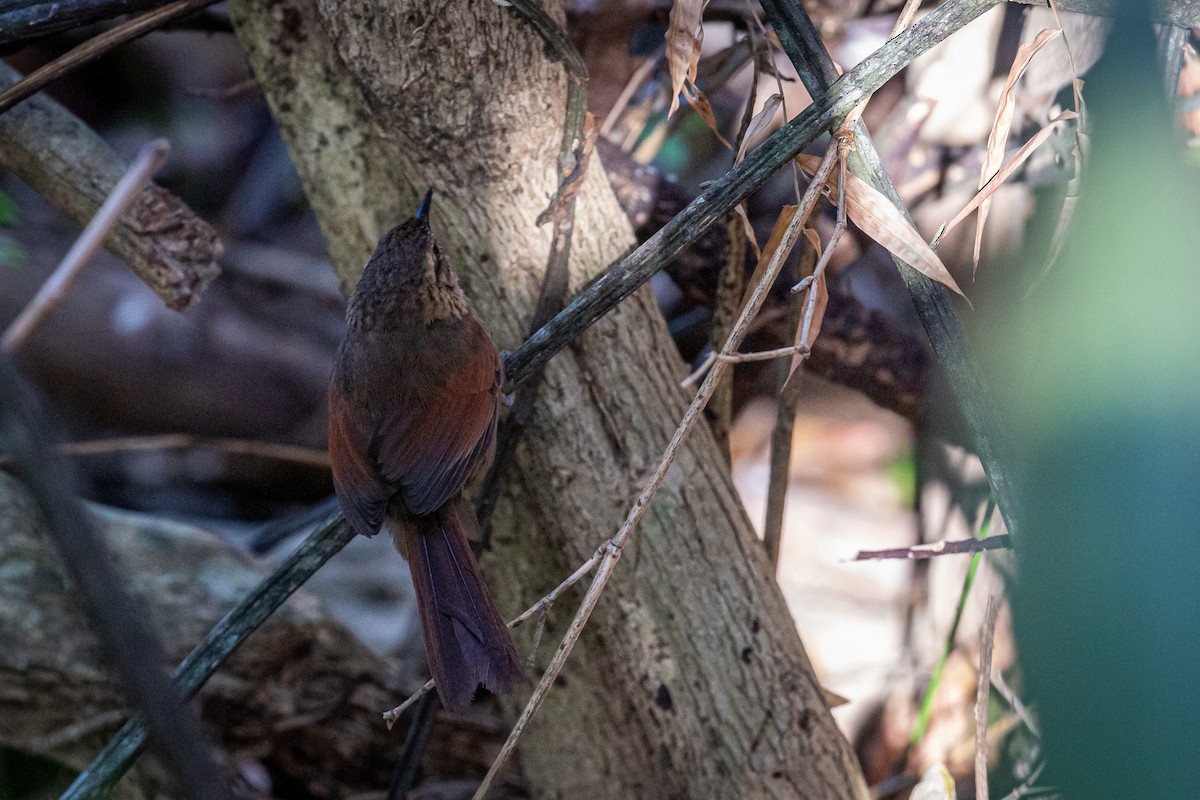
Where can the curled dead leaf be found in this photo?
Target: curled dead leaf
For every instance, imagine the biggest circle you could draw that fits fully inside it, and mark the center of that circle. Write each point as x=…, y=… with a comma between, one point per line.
x=685, y=34
x=740, y=210
x=1007, y=170
x=993, y=156
x=781, y=225
x=758, y=124
x=703, y=108
x=875, y=215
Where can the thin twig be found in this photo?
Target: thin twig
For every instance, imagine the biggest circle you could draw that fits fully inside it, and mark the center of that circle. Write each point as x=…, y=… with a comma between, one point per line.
x=1001, y=541
x=149, y=159
x=391, y=717
x=762, y=355
x=120, y=623
x=294, y=454
x=695, y=375
x=1027, y=785
x=538, y=631
x=615, y=546
x=740, y=358
x=986, y=639
x=925, y=712
x=788, y=393
x=94, y=48
x=404, y=776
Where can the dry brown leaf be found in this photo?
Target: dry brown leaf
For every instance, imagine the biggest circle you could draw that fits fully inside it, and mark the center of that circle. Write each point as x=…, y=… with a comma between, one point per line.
x=875, y=215
x=758, y=124
x=740, y=210
x=1076, y=83
x=685, y=34
x=993, y=157
x=814, y=239
x=1007, y=170
x=781, y=225
x=701, y=106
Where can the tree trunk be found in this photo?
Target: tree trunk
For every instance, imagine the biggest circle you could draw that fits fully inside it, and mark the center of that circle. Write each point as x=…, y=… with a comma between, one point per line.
x=690, y=680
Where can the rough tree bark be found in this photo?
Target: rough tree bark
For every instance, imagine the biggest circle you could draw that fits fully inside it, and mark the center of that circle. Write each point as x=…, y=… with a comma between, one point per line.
x=690, y=681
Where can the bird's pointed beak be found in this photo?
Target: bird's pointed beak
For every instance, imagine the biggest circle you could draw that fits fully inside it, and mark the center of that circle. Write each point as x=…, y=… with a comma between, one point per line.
x=423, y=211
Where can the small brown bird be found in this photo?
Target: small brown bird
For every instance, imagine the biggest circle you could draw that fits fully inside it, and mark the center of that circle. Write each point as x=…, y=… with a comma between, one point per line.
x=413, y=401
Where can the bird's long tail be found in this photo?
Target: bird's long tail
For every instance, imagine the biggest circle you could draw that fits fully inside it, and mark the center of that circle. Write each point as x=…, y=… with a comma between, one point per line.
x=466, y=640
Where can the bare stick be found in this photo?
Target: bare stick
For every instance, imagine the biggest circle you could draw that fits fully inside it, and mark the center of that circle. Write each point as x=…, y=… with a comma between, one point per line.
x=986, y=638
x=390, y=717
x=613, y=548
x=762, y=355
x=149, y=159
x=788, y=392
x=968, y=546
x=741, y=358
x=94, y=48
